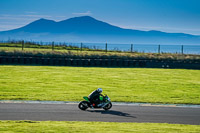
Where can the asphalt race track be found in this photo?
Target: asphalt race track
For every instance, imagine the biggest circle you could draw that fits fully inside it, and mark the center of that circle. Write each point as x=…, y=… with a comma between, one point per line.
x=118, y=113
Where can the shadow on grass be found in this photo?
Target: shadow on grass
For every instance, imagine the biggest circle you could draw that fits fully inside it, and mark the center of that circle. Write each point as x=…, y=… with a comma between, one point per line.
x=112, y=112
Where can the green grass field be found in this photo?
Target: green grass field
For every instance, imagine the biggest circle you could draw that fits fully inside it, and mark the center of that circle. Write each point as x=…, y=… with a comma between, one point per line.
x=121, y=84
x=97, y=127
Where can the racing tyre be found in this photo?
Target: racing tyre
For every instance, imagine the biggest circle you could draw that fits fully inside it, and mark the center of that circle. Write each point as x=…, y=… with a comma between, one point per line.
x=108, y=106
x=83, y=105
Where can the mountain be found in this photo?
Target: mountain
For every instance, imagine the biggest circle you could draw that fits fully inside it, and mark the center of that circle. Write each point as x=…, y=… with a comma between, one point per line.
x=88, y=29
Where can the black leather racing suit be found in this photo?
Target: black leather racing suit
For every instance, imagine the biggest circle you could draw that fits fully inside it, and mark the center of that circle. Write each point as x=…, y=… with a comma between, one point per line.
x=94, y=97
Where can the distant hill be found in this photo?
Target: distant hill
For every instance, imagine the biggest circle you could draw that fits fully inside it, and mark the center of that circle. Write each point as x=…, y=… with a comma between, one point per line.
x=88, y=29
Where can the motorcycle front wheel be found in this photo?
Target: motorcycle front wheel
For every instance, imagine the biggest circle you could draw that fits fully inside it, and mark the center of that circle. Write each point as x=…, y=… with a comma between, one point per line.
x=108, y=106
x=83, y=105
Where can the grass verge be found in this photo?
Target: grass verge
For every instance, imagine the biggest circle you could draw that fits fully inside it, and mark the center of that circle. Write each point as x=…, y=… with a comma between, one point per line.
x=98, y=127
x=121, y=84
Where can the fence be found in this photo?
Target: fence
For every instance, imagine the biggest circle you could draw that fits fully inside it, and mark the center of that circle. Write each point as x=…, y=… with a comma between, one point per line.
x=105, y=47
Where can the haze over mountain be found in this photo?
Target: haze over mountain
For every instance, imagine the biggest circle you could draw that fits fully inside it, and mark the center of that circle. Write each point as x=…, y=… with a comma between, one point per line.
x=88, y=29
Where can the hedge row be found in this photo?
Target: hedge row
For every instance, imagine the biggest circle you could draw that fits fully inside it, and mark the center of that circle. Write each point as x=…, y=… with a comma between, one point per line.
x=100, y=62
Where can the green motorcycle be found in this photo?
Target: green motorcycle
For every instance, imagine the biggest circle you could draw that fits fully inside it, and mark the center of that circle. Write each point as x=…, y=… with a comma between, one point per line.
x=105, y=103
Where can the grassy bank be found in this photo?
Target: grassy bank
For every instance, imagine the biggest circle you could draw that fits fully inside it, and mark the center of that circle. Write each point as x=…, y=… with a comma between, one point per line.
x=70, y=52
x=121, y=84
x=99, y=127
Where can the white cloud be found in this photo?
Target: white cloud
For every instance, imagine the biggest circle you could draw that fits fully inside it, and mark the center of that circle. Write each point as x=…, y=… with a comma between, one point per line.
x=164, y=29
x=28, y=17
x=30, y=12
x=22, y=17
x=10, y=21
x=82, y=13
x=35, y=16
x=4, y=27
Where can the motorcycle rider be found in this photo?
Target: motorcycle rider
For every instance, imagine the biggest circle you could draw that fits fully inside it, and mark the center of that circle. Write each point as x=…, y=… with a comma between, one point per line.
x=94, y=97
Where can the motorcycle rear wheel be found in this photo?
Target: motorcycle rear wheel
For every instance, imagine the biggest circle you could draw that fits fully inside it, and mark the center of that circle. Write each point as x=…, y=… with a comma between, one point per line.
x=108, y=106
x=83, y=105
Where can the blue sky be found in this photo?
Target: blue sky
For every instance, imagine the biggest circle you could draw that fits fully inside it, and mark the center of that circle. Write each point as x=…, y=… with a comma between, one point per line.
x=164, y=15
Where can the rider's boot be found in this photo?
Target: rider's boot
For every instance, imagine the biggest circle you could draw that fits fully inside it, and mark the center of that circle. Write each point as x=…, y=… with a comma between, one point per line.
x=92, y=106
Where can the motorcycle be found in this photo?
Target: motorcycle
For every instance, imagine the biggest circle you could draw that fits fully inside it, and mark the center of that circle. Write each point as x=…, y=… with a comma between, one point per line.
x=105, y=103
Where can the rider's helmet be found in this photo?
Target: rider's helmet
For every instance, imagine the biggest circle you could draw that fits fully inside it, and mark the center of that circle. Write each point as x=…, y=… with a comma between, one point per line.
x=99, y=90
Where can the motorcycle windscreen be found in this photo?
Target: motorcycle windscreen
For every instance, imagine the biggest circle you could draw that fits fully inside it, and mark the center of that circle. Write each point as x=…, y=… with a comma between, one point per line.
x=86, y=98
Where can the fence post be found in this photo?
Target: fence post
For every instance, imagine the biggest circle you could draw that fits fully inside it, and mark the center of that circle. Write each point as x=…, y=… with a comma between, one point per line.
x=81, y=46
x=131, y=48
x=52, y=46
x=182, y=49
x=106, y=47
x=22, y=44
x=159, y=49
